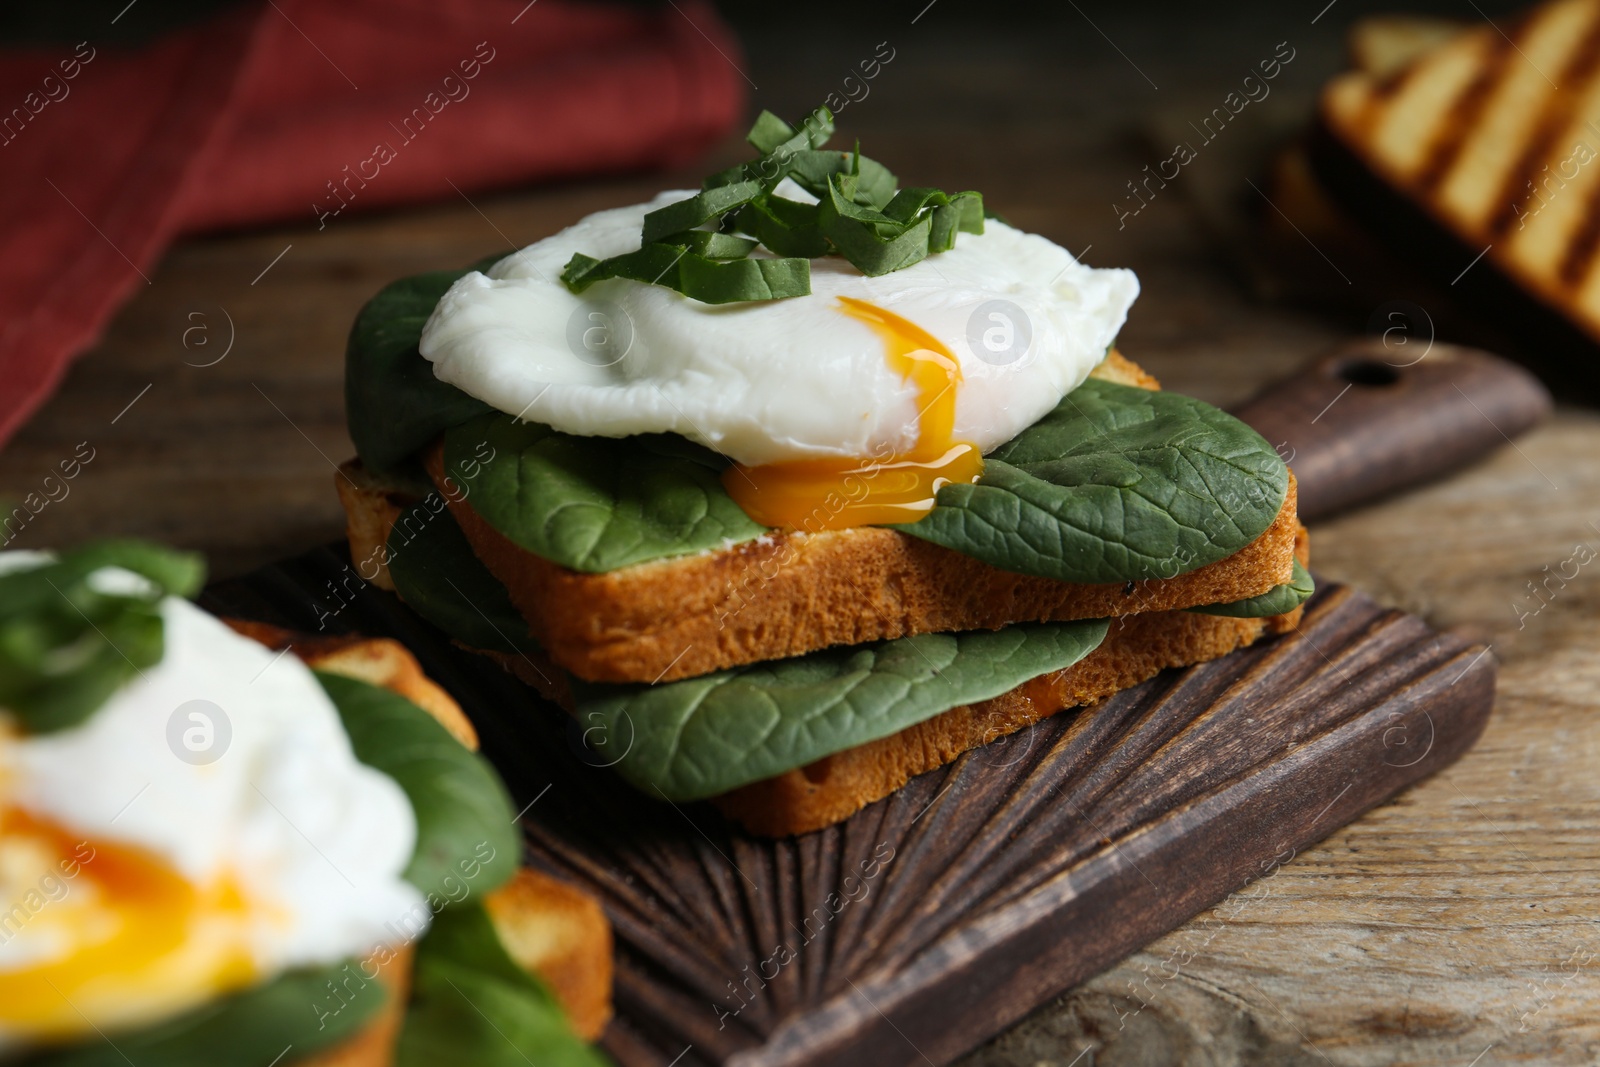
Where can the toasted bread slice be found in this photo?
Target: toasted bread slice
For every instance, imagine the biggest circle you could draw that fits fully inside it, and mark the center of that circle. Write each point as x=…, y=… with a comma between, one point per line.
x=792, y=592
x=1137, y=647
x=549, y=928
x=373, y=505
x=558, y=932
x=1382, y=44
x=1494, y=138
x=835, y=787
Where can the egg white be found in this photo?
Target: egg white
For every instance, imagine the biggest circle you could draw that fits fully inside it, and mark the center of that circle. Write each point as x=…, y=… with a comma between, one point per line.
x=314, y=840
x=769, y=381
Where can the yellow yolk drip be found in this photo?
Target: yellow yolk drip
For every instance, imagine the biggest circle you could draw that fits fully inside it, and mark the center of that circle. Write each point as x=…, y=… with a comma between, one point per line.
x=836, y=493
x=109, y=934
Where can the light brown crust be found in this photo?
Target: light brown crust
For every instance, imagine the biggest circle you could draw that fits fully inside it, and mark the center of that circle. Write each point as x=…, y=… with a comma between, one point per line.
x=1137, y=647
x=1118, y=368
x=370, y=509
x=559, y=933
x=835, y=787
x=792, y=593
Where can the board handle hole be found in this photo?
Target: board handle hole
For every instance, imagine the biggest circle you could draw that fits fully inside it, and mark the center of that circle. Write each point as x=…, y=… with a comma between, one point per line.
x=1366, y=372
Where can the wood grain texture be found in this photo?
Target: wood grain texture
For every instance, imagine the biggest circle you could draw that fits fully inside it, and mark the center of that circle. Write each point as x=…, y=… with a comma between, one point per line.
x=1359, y=423
x=1434, y=930
x=933, y=918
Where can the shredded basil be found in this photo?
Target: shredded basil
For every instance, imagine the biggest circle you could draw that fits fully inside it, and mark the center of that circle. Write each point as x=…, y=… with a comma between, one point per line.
x=67, y=643
x=859, y=215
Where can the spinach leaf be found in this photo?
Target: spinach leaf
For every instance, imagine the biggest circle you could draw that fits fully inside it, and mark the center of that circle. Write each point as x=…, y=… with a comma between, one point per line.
x=393, y=403
x=1278, y=600
x=1116, y=484
x=470, y=1003
x=249, y=1029
x=464, y=815
x=67, y=643
x=438, y=576
x=702, y=736
x=596, y=503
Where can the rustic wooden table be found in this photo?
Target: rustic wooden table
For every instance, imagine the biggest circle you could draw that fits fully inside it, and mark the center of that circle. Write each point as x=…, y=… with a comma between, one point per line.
x=1456, y=925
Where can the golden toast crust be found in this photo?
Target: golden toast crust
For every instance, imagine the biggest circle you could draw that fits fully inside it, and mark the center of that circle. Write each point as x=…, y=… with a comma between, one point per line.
x=558, y=932
x=791, y=592
x=835, y=787
x=1137, y=647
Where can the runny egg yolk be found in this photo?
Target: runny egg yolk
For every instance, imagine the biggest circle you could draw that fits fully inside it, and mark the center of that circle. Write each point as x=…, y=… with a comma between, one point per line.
x=107, y=934
x=836, y=493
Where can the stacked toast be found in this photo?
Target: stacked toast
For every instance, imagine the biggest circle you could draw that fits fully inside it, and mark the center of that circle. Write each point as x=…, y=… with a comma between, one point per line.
x=794, y=592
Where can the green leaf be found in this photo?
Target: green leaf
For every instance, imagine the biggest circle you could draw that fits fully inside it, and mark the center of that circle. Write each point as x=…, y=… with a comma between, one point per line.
x=66, y=646
x=698, y=210
x=712, y=245
x=768, y=132
x=250, y=1029
x=812, y=170
x=440, y=578
x=700, y=278
x=465, y=831
x=788, y=227
x=596, y=504
x=771, y=135
x=393, y=403
x=1279, y=600
x=1116, y=484
x=470, y=1003
x=703, y=736
x=913, y=224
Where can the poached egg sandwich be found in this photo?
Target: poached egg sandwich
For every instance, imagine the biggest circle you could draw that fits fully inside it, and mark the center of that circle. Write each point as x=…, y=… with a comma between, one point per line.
x=215, y=851
x=804, y=483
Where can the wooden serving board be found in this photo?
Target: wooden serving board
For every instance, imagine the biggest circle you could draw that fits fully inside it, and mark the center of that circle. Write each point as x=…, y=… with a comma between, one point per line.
x=938, y=916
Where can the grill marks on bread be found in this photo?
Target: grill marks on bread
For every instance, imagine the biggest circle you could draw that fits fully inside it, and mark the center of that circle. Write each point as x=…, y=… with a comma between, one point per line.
x=1496, y=135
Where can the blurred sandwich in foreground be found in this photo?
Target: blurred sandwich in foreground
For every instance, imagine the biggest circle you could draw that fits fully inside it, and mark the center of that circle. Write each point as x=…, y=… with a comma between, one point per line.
x=215, y=851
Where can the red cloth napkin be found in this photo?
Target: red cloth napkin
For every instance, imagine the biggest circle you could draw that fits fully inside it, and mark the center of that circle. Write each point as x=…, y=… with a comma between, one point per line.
x=307, y=111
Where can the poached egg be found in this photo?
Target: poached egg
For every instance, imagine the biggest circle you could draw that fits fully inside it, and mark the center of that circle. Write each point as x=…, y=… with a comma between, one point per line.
x=137, y=883
x=876, y=390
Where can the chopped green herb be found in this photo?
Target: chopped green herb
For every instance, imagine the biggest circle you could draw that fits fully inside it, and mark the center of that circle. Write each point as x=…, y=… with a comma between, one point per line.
x=694, y=246
x=67, y=642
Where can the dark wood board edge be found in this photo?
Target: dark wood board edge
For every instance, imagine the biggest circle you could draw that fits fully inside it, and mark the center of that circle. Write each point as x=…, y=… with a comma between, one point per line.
x=1002, y=968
